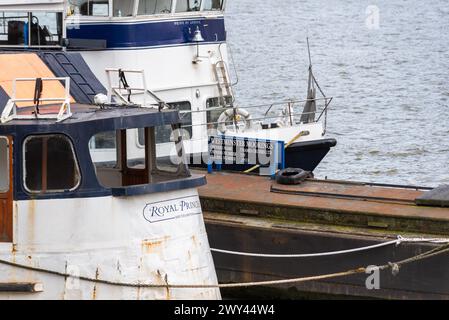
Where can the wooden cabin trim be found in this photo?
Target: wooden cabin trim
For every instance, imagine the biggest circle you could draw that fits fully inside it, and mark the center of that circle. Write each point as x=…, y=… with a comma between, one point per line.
x=6, y=201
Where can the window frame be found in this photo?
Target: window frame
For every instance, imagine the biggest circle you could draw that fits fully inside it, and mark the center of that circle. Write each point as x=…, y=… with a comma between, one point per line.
x=204, y=10
x=24, y=171
x=208, y=112
x=189, y=12
x=28, y=41
x=172, y=6
x=8, y=169
x=138, y=142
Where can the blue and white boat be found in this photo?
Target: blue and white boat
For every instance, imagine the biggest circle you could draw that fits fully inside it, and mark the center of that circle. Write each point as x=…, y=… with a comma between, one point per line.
x=180, y=47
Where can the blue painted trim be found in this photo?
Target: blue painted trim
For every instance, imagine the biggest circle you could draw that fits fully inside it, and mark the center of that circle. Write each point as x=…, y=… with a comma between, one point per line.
x=282, y=146
x=144, y=34
x=80, y=129
x=178, y=184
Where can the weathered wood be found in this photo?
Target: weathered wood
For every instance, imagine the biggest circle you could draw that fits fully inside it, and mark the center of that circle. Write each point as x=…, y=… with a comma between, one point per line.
x=319, y=202
x=438, y=197
x=21, y=287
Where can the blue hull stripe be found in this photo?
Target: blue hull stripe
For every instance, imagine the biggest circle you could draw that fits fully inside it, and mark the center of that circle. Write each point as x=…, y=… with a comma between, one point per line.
x=150, y=34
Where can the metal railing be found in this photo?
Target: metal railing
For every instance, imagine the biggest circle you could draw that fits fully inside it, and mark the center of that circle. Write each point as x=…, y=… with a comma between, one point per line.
x=64, y=112
x=288, y=104
x=117, y=91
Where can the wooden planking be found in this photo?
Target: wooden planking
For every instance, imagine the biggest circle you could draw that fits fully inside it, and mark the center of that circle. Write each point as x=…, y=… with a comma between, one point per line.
x=232, y=193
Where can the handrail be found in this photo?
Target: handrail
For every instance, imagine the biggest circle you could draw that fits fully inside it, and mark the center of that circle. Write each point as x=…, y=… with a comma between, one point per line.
x=10, y=111
x=258, y=106
x=140, y=90
x=252, y=119
x=322, y=112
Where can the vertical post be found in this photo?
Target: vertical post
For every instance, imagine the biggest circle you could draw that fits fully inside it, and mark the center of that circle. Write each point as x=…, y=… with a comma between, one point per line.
x=274, y=159
x=44, y=164
x=108, y=73
x=144, y=82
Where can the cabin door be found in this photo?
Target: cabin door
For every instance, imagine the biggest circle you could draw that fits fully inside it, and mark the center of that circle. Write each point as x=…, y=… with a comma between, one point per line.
x=6, y=187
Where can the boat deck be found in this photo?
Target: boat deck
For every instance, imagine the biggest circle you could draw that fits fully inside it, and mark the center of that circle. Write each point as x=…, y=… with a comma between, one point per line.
x=324, y=201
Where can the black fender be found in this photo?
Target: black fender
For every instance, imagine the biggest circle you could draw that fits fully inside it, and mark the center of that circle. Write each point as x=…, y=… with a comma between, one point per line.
x=292, y=176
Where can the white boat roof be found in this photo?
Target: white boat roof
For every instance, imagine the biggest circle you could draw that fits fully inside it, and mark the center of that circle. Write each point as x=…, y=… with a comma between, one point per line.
x=32, y=5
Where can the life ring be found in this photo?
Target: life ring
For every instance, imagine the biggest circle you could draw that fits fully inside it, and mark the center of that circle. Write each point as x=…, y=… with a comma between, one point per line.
x=228, y=116
x=292, y=176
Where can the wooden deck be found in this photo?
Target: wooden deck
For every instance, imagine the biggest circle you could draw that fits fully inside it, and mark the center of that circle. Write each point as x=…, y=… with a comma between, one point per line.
x=321, y=201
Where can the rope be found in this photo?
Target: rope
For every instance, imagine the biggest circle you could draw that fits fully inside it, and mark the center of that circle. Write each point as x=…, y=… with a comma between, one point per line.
x=305, y=255
x=394, y=266
x=397, y=242
x=37, y=95
x=122, y=80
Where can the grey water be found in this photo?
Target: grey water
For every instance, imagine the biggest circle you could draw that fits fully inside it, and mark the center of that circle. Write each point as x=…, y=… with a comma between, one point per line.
x=387, y=68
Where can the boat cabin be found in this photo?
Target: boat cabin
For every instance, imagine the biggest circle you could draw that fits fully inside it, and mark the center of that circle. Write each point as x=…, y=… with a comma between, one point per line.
x=49, y=23
x=123, y=219
x=41, y=159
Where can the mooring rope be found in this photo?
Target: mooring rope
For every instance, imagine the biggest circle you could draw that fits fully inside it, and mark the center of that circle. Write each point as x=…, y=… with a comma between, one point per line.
x=394, y=266
x=398, y=241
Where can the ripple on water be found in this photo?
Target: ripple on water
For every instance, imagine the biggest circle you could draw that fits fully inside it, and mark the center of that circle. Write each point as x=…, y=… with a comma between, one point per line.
x=390, y=85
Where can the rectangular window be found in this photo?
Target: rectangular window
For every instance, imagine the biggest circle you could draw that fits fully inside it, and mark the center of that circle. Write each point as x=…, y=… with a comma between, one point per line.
x=123, y=8
x=4, y=164
x=50, y=164
x=128, y=164
x=30, y=28
x=147, y=7
x=212, y=5
x=188, y=5
x=162, y=133
x=12, y=28
x=90, y=7
x=217, y=110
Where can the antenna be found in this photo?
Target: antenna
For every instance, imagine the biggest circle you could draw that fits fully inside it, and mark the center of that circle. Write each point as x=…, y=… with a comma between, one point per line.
x=308, y=50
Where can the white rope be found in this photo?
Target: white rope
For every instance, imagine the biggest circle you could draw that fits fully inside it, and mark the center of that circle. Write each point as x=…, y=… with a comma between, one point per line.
x=394, y=266
x=398, y=241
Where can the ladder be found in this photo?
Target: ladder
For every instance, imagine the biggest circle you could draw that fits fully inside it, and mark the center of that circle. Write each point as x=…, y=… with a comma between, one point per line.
x=84, y=85
x=223, y=84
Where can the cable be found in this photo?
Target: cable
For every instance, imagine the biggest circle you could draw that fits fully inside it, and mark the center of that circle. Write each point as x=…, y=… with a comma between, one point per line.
x=398, y=241
x=394, y=266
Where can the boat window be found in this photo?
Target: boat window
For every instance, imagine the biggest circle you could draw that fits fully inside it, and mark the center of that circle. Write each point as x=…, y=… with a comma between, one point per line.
x=4, y=164
x=188, y=5
x=212, y=5
x=186, y=121
x=123, y=8
x=147, y=7
x=50, y=164
x=217, y=110
x=90, y=7
x=12, y=28
x=124, y=162
x=30, y=28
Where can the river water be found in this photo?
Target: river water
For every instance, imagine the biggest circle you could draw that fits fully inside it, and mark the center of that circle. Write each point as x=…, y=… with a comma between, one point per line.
x=388, y=74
